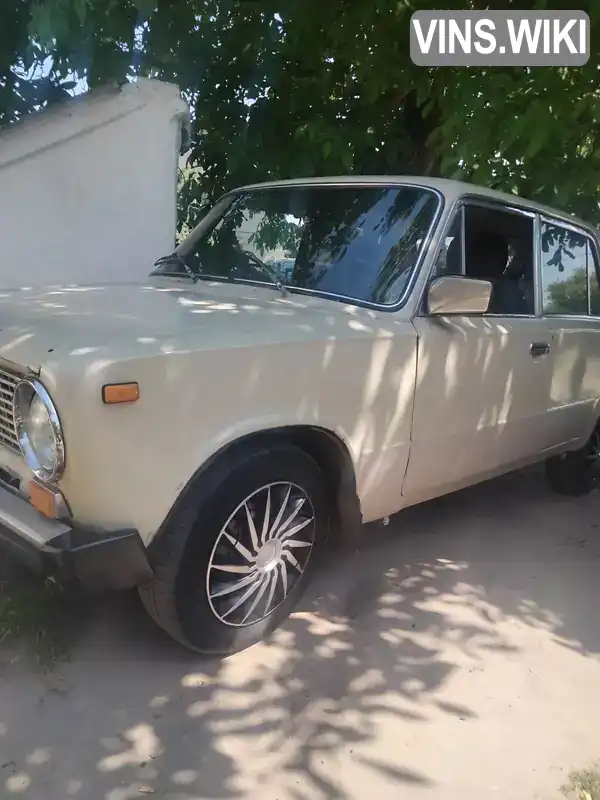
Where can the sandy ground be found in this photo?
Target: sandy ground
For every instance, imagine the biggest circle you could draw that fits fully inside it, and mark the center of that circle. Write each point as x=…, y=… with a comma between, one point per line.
x=457, y=657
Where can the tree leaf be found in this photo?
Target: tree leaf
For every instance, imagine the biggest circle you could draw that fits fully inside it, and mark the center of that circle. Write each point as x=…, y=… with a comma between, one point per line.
x=347, y=160
x=537, y=142
x=81, y=8
x=283, y=89
x=146, y=7
x=48, y=22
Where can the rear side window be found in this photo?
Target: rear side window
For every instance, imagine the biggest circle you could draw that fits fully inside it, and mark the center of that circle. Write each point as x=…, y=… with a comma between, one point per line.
x=569, y=272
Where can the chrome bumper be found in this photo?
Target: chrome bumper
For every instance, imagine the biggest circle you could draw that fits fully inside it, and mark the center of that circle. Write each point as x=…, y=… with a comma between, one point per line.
x=97, y=559
x=18, y=516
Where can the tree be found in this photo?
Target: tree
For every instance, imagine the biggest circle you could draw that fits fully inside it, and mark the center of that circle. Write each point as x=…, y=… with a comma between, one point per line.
x=570, y=296
x=23, y=84
x=307, y=87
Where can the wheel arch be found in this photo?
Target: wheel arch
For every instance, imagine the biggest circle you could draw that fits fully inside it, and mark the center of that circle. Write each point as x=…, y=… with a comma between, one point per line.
x=326, y=448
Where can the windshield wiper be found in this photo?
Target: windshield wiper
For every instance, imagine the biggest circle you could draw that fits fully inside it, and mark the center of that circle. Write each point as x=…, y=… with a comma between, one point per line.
x=272, y=273
x=177, y=259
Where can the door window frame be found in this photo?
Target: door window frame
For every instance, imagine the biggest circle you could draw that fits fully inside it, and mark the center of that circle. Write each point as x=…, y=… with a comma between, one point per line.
x=493, y=205
x=589, y=235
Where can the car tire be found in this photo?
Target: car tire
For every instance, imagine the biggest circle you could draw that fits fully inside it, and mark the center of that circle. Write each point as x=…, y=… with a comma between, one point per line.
x=210, y=536
x=576, y=473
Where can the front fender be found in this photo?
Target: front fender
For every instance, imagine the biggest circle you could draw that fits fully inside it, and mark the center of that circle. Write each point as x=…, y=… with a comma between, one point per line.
x=127, y=464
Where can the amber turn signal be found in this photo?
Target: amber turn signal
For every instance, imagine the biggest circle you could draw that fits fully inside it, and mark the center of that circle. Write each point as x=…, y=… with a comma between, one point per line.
x=43, y=499
x=120, y=393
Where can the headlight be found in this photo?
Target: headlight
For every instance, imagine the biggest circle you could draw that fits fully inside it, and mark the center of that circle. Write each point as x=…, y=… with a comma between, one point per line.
x=38, y=430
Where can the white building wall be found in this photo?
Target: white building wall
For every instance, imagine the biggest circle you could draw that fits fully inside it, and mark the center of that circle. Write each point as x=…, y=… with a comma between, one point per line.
x=88, y=188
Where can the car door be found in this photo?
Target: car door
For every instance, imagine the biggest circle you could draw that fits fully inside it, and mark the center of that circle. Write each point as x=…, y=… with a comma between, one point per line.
x=483, y=381
x=570, y=297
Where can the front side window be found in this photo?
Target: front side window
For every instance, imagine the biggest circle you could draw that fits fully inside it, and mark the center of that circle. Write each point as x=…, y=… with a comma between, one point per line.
x=358, y=243
x=494, y=244
x=499, y=249
x=569, y=272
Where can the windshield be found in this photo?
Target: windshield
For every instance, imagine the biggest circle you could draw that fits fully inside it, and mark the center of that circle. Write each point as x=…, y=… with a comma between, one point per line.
x=357, y=243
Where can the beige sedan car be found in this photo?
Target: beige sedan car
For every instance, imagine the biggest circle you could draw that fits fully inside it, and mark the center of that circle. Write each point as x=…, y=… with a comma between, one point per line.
x=317, y=354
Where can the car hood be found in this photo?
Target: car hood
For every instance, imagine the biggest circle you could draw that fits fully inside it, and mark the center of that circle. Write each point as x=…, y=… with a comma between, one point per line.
x=161, y=315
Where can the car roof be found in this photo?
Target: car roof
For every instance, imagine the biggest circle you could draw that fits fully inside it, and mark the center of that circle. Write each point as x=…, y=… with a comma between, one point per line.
x=449, y=188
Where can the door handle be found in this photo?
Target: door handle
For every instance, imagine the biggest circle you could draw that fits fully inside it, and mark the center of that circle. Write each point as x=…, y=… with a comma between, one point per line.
x=537, y=349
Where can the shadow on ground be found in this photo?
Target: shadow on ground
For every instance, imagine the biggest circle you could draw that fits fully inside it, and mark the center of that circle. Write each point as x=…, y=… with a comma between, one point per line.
x=391, y=668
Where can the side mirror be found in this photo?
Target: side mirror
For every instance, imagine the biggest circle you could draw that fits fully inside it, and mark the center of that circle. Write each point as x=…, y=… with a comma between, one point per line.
x=455, y=294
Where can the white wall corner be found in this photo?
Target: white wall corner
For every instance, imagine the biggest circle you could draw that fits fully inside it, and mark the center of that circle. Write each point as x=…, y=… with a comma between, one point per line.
x=89, y=186
x=83, y=113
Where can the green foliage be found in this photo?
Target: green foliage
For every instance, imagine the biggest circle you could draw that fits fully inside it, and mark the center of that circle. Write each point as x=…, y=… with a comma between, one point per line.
x=276, y=232
x=33, y=612
x=21, y=89
x=191, y=203
x=307, y=87
x=570, y=296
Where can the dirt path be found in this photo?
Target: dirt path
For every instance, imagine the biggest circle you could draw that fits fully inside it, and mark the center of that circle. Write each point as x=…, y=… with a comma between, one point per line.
x=457, y=658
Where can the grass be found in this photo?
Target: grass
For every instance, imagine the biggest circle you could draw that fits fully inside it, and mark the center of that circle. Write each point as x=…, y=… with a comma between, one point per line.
x=33, y=613
x=584, y=784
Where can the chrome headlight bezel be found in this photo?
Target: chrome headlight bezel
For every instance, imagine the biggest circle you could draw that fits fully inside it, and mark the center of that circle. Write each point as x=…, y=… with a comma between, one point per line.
x=20, y=414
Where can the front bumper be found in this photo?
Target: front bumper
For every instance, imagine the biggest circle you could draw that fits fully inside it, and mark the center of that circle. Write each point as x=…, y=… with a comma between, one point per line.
x=97, y=559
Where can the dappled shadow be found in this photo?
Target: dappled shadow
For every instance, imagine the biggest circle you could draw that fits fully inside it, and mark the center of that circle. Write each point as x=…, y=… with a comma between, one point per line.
x=382, y=679
x=343, y=700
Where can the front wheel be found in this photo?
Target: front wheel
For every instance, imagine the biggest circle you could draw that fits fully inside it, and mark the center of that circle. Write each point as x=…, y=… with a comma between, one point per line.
x=230, y=576
x=576, y=473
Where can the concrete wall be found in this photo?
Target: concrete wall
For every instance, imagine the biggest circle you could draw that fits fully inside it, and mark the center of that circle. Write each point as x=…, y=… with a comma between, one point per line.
x=88, y=188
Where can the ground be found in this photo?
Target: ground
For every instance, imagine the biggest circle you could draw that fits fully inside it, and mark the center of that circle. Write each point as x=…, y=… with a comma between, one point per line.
x=456, y=657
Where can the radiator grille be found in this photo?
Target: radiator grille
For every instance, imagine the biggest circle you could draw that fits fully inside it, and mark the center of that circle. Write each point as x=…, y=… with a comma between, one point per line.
x=8, y=435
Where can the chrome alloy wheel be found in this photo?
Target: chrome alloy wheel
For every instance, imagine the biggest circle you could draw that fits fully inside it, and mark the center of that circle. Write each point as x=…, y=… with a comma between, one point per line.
x=260, y=554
